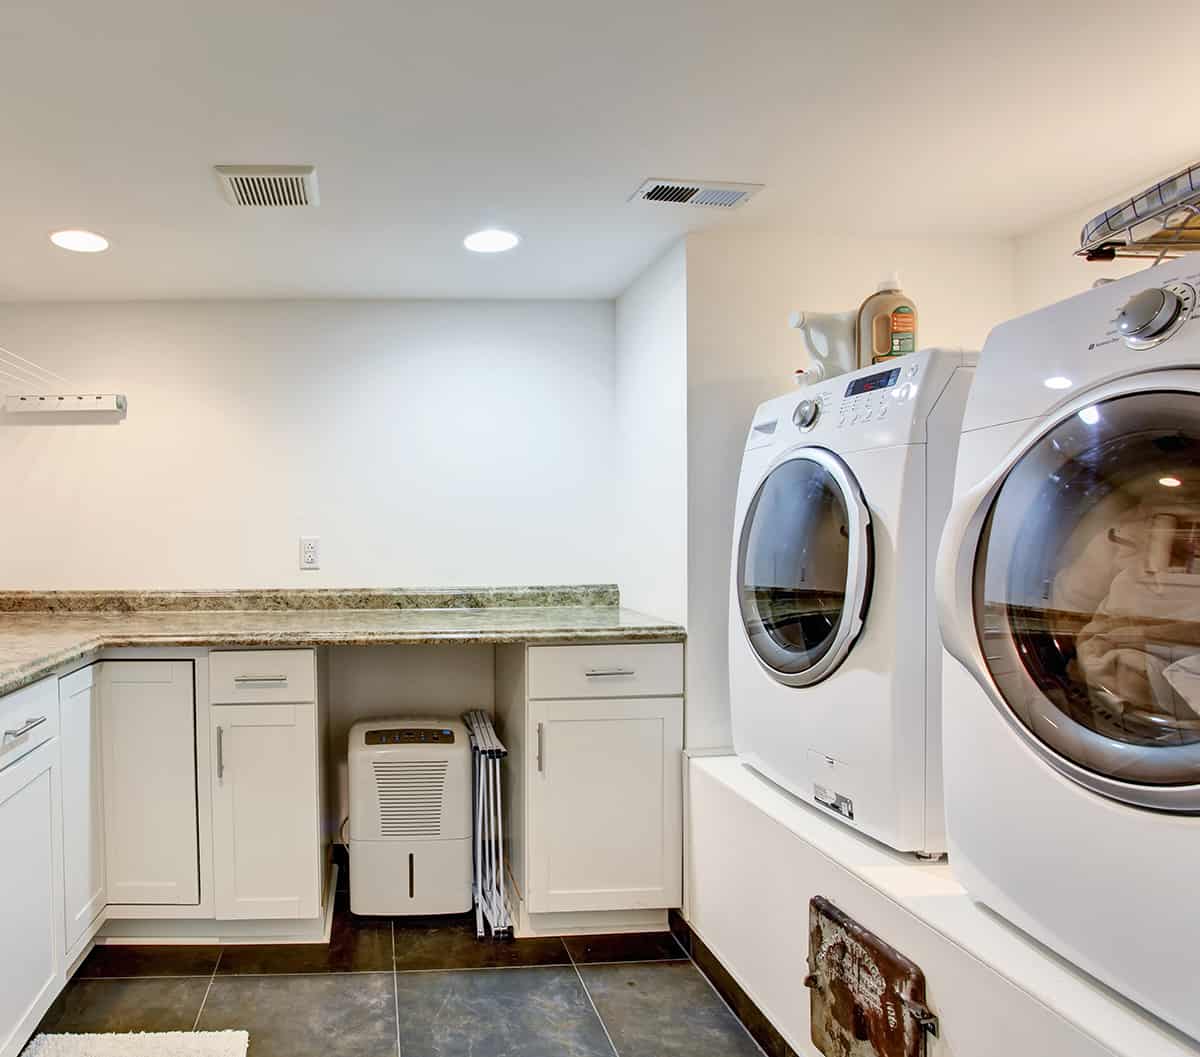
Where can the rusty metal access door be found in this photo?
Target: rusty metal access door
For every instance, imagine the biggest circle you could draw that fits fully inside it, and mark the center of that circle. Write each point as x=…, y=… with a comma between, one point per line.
x=867, y=999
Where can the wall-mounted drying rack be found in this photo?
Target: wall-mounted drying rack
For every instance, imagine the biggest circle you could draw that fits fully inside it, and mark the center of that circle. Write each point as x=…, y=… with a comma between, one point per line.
x=31, y=382
x=64, y=403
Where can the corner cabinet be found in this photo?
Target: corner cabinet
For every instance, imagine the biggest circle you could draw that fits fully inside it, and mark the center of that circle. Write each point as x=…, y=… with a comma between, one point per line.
x=267, y=848
x=31, y=907
x=594, y=786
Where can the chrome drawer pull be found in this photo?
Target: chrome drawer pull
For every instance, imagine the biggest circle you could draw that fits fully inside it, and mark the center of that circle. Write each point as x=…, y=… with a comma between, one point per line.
x=220, y=754
x=30, y=723
x=597, y=673
x=260, y=678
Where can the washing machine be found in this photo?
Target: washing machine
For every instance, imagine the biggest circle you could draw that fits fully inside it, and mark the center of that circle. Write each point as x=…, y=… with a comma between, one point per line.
x=834, y=658
x=1069, y=594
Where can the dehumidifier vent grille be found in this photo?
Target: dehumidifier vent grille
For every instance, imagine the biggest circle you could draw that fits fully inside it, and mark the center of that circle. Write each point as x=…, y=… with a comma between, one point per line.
x=411, y=795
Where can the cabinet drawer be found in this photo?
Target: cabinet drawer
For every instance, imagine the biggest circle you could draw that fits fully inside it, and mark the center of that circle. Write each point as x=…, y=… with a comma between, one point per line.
x=262, y=676
x=28, y=718
x=642, y=669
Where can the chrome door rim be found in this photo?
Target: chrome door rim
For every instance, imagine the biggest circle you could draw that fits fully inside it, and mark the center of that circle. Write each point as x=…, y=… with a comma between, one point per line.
x=1177, y=799
x=859, y=566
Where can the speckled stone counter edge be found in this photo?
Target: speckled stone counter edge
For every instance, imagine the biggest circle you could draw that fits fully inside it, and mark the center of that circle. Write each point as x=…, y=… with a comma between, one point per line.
x=277, y=599
x=86, y=650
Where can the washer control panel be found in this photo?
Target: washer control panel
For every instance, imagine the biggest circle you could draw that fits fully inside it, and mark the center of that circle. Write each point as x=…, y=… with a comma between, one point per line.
x=872, y=407
x=870, y=397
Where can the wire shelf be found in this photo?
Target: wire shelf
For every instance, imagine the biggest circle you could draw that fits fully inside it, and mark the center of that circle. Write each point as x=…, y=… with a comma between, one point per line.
x=1161, y=223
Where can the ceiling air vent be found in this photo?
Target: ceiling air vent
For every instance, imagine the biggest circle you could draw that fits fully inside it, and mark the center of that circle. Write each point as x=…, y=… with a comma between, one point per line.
x=706, y=193
x=269, y=185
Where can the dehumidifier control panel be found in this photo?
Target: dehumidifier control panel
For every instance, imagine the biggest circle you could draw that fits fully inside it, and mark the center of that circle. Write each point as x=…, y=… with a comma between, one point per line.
x=410, y=736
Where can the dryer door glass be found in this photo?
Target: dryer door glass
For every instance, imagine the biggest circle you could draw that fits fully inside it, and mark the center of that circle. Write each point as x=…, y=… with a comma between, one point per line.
x=1087, y=594
x=804, y=566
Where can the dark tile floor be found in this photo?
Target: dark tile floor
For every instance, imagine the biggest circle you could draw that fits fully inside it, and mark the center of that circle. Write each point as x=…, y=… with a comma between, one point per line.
x=416, y=987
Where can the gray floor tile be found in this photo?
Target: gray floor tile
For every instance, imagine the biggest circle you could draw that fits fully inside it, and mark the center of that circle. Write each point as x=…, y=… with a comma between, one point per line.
x=356, y=944
x=111, y=960
x=535, y=1012
x=451, y=943
x=634, y=947
x=665, y=1008
x=327, y=1015
x=127, y=1005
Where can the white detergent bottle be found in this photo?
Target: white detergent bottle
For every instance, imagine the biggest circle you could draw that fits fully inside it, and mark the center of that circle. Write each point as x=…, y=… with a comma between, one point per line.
x=830, y=340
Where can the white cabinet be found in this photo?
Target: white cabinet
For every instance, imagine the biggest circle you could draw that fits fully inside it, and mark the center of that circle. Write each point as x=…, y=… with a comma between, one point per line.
x=148, y=746
x=30, y=883
x=84, y=879
x=266, y=820
x=606, y=804
x=594, y=786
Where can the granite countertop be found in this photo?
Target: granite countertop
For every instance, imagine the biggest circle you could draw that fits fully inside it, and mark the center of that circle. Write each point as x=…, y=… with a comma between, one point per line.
x=41, y=631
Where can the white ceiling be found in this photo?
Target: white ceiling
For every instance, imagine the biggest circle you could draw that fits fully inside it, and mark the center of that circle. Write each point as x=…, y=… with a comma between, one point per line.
x=429, y=120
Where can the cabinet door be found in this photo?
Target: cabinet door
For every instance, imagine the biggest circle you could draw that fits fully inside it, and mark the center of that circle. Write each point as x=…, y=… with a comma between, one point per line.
x=148, y=737
x=266, y=825
x=605, y=804
x=84, y=880
x=30, y=894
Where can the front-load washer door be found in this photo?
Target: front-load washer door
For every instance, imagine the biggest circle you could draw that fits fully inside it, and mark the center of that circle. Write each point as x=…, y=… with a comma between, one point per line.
x=804, y=566
x=1086, y=596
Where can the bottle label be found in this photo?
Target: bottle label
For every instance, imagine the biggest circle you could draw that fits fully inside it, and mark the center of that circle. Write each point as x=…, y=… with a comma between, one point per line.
x=904, y=331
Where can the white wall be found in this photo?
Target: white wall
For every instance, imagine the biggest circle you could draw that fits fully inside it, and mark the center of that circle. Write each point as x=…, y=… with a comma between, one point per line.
x=651, y=435
x=741, y=286
x=426, y=443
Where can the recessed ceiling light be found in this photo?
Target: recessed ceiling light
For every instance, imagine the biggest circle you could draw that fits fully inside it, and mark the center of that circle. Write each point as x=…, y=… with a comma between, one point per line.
x=79, y=241
x=1057, y=382
x=491, y=240
x=1170, y=482
x=1090, y=415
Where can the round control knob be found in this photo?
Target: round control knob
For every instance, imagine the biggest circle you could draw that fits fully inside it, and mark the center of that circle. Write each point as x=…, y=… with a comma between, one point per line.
x=806, y=414
x=1148, y=314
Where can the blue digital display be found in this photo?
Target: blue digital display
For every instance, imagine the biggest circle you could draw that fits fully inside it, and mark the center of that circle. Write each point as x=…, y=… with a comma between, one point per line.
x=883, y=380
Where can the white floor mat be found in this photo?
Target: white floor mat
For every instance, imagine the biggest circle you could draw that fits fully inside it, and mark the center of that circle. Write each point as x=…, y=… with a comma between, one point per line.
x=143, y=1044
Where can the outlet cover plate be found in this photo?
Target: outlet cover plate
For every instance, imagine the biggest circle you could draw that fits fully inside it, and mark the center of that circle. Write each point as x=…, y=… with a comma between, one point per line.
x=310, y=552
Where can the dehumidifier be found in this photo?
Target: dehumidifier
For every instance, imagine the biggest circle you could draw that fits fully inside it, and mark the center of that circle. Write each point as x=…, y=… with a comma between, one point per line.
x=410, y=817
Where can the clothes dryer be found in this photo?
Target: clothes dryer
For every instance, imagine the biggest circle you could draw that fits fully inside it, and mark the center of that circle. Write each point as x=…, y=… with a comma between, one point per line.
x=1069, y=596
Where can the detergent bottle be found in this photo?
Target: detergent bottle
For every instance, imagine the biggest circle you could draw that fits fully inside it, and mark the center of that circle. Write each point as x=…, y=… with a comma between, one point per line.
x=829, y=338
x=887, y=324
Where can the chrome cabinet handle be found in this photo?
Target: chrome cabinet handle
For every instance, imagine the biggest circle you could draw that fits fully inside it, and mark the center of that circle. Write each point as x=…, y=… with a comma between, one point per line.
x=220, y=754
x=600, y=673
x=541, y=758
x=260, y=678
x=30, y=723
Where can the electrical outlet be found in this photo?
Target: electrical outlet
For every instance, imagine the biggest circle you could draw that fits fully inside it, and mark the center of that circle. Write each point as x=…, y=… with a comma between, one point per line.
x=310, y=552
